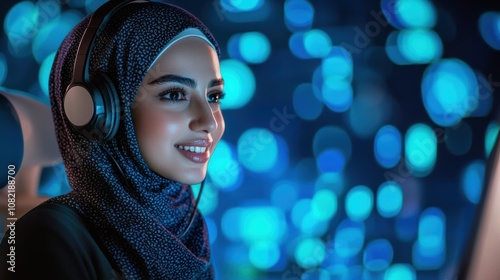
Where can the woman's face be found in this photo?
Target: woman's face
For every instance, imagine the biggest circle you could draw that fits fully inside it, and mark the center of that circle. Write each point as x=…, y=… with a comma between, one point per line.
x=176, y=113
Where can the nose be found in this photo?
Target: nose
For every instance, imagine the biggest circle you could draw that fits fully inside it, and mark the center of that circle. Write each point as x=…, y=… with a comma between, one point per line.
x=203, y=118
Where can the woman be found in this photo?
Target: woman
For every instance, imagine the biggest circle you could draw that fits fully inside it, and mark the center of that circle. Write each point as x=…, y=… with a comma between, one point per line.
x=128, y=215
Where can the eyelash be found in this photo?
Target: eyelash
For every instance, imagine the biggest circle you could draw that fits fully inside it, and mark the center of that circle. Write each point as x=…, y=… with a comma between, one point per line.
x=180, y=91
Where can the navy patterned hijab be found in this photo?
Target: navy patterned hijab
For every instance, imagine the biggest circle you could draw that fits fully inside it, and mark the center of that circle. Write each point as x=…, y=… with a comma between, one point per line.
x=137, y=222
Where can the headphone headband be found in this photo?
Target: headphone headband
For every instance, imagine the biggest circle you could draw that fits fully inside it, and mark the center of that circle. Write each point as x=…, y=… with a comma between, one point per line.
x=91, y=101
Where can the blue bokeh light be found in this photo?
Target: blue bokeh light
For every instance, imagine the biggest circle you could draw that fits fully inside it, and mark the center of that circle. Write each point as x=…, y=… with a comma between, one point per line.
x=388, y=146
x=284, y=194
x=239, y=84
x=313, y=43
x=332, y=137
x=209, y=199
x=338, y=64
x=389, y=199
x=472, y=180
x=331, y=161
x=410, y=13
x=254, y=224
x=400, y=272
x=258, y=150
x=449, y=91
x=420, y=149
x=310, y=252
x=251, y=47
x=299, y=15
x=330, y=181
x=51, y=35
x=359, y=203
x=429, y=248
x=3, y=68
x=305, y=103
x=324, y=204
x=416, y=46
x=491, y=137
x=337, y=94
x=349, y=238
x=489, y=26
x=369, y=111
x=223, y=169
x=44, y=72
x=264, y=254
x=378, y=255
x=21, y=26
x=241, y=6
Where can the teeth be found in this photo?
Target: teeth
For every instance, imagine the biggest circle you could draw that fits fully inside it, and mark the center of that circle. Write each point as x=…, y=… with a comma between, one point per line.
x=193, y=149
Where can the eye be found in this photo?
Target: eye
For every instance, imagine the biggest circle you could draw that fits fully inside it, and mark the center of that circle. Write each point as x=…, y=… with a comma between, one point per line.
x=173, y=95
x=216, y=97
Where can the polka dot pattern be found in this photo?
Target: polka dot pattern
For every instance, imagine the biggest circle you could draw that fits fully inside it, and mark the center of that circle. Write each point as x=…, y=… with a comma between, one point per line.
x=137, y=223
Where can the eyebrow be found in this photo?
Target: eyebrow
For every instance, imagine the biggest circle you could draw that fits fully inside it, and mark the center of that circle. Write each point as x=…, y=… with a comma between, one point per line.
x=184, y=80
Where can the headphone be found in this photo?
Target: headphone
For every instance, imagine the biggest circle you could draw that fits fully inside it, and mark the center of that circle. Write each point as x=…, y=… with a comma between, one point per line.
x=91, y=102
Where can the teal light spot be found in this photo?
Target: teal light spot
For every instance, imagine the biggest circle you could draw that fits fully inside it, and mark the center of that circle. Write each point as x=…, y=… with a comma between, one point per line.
x=299, y=15
x=414, y=14
x=419, y=46
x=264, y=254
x=21, y=26
x=51, y=35
x=300, y=210
x=44, y=72
x=317, y=43
x=338, y=64
x=449, y=91
x=305, y=103
x=251, y=47
x=337, y=94
x=324, y=204
x=359, y=203
x=431, y=229
x=489, y=27
x=310, y=252
x=258, y=150
x=349, y=238
x=254, y=224
x=209, y=198
x=472, y=180
x=241, y=6
x=420, y=149
x=400, y=272
x=491, y=137
x=224, y=169
x=239, y=84
x=388, y=146
x=389, y=199
x=378, y=255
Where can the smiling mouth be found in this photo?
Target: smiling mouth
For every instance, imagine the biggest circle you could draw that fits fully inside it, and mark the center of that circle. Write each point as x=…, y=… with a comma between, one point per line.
x=192, y=149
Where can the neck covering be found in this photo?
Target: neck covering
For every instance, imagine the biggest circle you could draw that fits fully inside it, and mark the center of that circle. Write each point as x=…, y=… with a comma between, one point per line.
x=136, y=223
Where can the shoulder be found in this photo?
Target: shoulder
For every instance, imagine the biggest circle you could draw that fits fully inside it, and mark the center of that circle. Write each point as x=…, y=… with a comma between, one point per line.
x=53, y=240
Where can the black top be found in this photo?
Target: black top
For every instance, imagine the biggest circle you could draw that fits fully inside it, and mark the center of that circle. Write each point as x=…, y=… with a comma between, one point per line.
x=52, y=242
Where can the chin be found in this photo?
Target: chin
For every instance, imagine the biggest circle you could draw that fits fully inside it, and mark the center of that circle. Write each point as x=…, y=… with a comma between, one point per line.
x=191, y=179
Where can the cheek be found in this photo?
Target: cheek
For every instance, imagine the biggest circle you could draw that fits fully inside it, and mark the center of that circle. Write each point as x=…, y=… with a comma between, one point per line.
x=156, y=130
x=221, y=126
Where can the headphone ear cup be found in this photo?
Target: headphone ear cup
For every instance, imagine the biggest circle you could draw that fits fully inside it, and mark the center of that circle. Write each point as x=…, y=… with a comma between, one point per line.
x=106, y=107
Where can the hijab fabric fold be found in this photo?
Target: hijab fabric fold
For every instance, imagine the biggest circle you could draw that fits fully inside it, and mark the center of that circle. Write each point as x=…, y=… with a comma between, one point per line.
x=137, y=222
